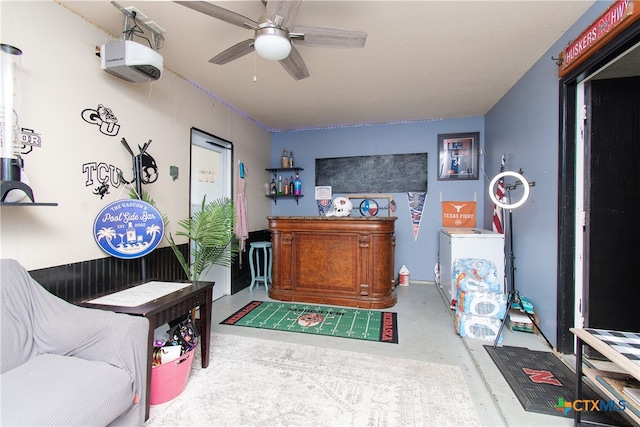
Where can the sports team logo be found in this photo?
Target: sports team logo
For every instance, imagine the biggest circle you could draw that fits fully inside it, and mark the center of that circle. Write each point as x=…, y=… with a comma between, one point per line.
x=310, y=319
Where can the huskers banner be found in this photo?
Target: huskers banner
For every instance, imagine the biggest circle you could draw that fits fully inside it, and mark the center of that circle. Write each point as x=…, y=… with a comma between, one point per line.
x=459, y=214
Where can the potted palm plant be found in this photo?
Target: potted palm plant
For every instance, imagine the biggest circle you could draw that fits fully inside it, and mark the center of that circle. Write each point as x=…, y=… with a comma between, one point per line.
x=211, y=231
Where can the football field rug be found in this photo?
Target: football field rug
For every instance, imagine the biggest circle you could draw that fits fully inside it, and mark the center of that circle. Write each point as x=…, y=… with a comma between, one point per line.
x=357, y=323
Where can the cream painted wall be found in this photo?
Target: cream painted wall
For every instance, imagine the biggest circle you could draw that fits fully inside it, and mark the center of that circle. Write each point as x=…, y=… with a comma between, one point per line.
x=60, y=77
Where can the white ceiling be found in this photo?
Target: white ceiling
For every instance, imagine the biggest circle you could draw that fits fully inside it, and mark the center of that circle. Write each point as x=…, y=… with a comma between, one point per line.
x=422, y=60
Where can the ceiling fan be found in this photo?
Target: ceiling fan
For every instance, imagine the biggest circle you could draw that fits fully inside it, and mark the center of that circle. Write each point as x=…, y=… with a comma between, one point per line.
x=272, y=39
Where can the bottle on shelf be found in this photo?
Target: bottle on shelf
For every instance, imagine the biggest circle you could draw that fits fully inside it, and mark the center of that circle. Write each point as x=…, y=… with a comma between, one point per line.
x=290, y=158
x=273, y=190
x=297, y=186
x=280, y=191
x=291, y=185
x=286, y=187
x=285, y=159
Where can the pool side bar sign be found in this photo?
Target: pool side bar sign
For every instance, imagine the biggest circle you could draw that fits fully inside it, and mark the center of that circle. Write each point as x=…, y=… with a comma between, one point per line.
x=128, y=228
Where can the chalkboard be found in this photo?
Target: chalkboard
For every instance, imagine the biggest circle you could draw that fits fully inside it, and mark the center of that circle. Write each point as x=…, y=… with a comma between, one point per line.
x=392, y=173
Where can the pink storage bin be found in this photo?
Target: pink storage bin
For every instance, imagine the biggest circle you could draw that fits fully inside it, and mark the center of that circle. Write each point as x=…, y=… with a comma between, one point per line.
x=170, y=379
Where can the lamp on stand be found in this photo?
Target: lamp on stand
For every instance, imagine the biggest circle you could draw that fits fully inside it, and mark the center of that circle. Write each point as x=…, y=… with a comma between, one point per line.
x=513, y=297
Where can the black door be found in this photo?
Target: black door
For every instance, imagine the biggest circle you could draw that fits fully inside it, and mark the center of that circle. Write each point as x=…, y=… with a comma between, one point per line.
x=612, y=237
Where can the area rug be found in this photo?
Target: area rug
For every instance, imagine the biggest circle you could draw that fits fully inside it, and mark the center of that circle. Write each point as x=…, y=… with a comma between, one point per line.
x=370, y=325
x=256, y=382
x=541, y=382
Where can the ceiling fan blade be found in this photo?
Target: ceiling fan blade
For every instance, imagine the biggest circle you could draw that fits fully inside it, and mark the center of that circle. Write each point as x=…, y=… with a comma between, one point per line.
x=294, y=64
x=328, y=37
x=220, y=13
x=287, y=9
x=234, y=52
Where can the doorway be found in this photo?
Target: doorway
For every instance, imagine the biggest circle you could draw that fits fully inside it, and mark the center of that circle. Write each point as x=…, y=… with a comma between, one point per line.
x=211, y=177
x=599, y=190
x=612, y=203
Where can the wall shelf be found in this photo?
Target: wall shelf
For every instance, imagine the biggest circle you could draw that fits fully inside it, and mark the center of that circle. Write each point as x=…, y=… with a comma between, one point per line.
x=275, y=197
x=27, y=204
x=274, y=170
x=7, y=186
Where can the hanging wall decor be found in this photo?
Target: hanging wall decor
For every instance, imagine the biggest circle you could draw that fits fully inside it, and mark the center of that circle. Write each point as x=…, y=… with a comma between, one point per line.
x=128, y=228
x=102, y=177
x=416, y=206
x=102, y=117
x=145, y=169
x=389, y=173
x=459, y=214
x=458, y=156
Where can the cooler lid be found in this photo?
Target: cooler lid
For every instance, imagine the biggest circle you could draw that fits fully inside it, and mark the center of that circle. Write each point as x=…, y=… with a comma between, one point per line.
x=469, y=232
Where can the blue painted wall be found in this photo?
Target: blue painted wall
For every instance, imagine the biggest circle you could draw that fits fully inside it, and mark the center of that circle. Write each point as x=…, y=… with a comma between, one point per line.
x=523, y=125
x=419, y=255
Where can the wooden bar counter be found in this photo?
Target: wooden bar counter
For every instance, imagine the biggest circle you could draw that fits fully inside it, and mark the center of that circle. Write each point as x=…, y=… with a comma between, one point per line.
x=347, y=261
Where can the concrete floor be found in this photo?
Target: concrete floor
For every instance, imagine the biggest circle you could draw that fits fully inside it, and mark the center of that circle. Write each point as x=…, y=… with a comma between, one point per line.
x=426, y=332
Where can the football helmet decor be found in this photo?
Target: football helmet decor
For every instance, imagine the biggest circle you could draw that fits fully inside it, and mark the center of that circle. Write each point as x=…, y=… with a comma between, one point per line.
x=340, y=206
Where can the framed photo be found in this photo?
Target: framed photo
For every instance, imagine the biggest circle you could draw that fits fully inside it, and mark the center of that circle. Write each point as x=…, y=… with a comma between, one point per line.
x=458, y=156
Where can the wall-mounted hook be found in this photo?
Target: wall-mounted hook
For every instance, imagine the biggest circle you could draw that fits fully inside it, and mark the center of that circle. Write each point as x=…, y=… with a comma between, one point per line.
x=145, y=170
x=558, y=60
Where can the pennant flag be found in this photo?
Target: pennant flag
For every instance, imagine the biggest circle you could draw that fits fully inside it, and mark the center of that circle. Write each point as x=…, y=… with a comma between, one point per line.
x=416, y=205
x=498, y=216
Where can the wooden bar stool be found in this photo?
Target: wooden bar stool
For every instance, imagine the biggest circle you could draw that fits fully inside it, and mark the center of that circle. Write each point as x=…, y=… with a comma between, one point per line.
x=257, y=274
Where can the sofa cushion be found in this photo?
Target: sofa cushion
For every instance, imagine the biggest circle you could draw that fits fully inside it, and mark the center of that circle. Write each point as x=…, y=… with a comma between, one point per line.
x=58, y=390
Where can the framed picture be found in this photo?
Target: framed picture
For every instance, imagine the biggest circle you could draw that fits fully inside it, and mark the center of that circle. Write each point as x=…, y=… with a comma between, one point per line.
x=458, y=156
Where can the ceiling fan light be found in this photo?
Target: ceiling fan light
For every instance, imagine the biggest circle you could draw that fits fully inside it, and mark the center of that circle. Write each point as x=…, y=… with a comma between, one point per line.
x=273, y=47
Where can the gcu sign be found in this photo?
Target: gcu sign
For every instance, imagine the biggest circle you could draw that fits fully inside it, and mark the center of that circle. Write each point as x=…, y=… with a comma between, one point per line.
x=103, y=118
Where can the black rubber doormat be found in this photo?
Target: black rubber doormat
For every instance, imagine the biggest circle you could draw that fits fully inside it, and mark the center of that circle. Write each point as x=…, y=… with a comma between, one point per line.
x=542, y=383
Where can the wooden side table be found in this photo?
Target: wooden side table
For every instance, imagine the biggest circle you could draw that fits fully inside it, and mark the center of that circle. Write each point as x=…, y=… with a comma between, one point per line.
x=165, y=309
